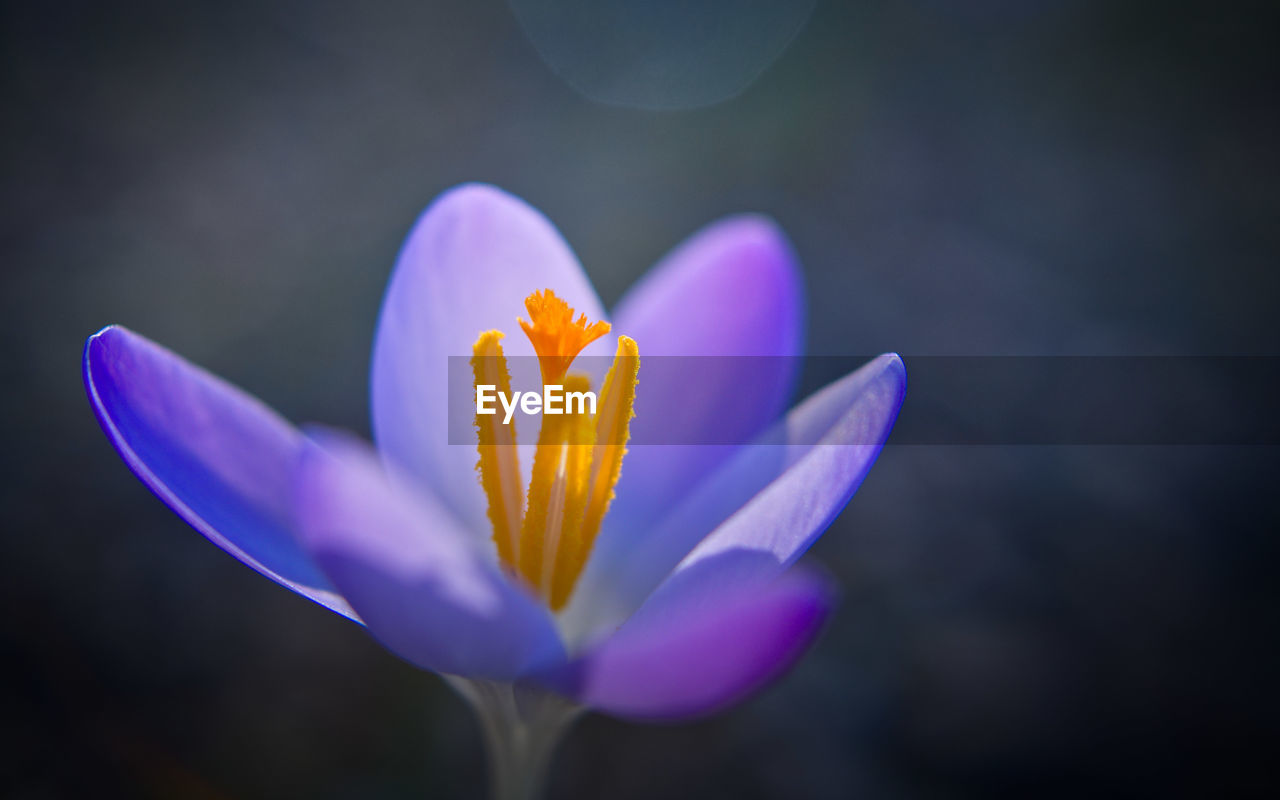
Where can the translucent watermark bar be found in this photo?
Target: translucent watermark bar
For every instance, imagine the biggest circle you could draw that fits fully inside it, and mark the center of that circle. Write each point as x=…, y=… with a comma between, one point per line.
x=950, y=400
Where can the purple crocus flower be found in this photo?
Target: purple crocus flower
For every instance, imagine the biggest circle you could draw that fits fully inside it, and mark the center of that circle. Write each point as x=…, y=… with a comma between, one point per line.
x=519, y=587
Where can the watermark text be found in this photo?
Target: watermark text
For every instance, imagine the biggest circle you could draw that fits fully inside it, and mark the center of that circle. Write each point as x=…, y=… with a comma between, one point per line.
x=553, y=399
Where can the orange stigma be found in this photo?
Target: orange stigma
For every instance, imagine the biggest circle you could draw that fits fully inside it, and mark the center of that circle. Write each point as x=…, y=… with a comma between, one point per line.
x=556, y=336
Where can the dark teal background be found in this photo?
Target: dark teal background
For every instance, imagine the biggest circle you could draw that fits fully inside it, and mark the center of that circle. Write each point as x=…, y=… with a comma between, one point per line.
x=981, y=179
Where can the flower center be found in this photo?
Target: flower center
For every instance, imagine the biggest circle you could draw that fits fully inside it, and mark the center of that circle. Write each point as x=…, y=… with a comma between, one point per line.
x=544, y=535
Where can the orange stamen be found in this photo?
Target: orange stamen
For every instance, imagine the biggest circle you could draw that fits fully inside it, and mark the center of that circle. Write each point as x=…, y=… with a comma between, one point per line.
x=498, y=465
x=613, y=428
x=545, y=534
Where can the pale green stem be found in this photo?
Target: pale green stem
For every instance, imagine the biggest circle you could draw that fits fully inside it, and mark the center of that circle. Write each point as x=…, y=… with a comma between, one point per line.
x=522, y=726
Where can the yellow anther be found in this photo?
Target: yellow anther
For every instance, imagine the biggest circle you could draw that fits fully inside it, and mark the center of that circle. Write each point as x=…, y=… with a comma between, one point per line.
x=612, y=429
x=498, y=465
x=557, y=488
x=556, y=336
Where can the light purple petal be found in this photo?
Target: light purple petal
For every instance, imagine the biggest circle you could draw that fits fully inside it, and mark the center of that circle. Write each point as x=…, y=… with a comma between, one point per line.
x=729, y=289
x=764, y=507
x=417, y=579
x=732, y=295
x=219, y=458
x=466, y=268
x=699, y=657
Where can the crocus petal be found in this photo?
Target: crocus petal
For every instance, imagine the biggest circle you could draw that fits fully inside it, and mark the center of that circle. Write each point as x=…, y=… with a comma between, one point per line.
x=727, y=307
x=219, y=458
x=683, y=660
x=764, y=507
x=417, y=579
x=466, y=268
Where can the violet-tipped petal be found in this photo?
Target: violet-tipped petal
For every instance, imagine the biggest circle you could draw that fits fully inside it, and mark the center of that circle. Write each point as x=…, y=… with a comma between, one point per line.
x=416, y=577
x=219, y=458
x=695, y=659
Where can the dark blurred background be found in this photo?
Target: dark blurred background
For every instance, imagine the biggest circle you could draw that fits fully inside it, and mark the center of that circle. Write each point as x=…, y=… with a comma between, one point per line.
x=982, y=178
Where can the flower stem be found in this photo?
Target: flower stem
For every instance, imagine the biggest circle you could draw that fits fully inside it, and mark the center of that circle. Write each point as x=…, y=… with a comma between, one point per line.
x=522, y=726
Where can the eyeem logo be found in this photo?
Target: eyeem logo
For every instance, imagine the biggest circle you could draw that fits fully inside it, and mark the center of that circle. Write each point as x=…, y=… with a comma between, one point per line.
x=552, y=400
